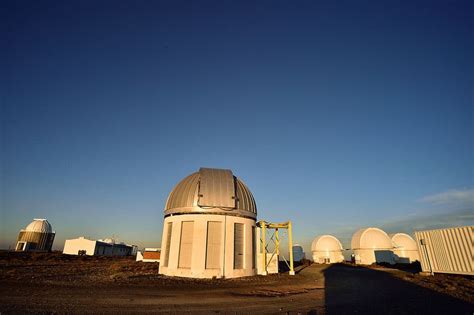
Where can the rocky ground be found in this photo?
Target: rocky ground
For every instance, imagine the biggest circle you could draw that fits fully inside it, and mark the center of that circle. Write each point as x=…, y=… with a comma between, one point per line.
x=56, y=283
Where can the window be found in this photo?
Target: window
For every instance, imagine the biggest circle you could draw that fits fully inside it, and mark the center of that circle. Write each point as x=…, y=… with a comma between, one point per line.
x=254, y=247
x=213, y=249
x=168, y=243
x=186, y=244
x=238, y=246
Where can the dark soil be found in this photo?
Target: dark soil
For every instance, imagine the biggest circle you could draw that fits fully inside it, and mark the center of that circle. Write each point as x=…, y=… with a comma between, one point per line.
x=56, y=283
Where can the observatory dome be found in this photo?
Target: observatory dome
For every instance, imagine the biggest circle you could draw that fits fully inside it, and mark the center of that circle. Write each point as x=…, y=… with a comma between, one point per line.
x=37, y=236
x=372, y=245
x=326, y=243
x=298, y=252
x=214, y=191
x=327, y=249
x=39, y=225
x=405, y=241
x=371, y=238
x=209, y=227
x=406, y=250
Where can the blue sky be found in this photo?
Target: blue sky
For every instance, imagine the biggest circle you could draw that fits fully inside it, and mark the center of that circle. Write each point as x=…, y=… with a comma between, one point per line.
x=337, y=114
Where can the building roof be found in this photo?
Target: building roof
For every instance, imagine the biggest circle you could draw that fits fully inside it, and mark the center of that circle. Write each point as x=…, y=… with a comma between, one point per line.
x=39, y=225
x=326, y=243
x=152, y=249
x=371, y=238
x=151, y=255
x=403, y=241
x=211, y=191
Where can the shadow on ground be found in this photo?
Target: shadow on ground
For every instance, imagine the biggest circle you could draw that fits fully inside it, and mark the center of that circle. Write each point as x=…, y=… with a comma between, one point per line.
x=414, y=267
x=298, y=266
x=359, y=290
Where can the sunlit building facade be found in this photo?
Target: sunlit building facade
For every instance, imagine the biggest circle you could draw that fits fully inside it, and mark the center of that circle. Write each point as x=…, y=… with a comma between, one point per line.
x=37, y=236
x=209, y=227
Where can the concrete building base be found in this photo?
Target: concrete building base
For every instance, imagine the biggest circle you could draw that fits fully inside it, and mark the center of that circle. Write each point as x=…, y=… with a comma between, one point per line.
x=197, y=266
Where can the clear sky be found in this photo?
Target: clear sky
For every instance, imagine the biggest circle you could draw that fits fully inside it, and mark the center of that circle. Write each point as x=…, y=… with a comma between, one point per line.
x=337, y=114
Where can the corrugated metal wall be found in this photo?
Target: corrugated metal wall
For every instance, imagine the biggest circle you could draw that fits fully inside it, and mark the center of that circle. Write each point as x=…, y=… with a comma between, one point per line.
x=184, y=193
x=41, y=241
x=216, y=188
x=245, y=200
x=447, y=250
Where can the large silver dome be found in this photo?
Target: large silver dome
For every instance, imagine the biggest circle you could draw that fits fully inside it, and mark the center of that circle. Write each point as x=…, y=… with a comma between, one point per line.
x=210, y=190
x=39, y=225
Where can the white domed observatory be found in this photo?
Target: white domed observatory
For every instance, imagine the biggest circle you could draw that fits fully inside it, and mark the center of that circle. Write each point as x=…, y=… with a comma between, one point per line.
x=327, y=249
x=298, y=253
x=209, y=227
x=405, y=248
x=372, y=245
x=37, y=236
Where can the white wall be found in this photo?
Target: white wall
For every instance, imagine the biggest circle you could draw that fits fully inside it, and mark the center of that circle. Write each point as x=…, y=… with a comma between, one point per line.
x=406, y=256
x=447, y=250
x=370, y=256
x=139, y=256
x=72, y=247
x=198, y=263
x=333, y=256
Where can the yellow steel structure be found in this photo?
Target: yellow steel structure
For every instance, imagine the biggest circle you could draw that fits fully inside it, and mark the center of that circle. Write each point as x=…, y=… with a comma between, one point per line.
x=276, y=226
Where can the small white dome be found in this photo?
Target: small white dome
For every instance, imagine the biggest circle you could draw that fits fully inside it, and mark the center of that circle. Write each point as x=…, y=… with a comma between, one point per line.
x=298, y=252
x=326, y=243
x=39, y=225
x=108, y=240
x=403, y=241
x=371, y=238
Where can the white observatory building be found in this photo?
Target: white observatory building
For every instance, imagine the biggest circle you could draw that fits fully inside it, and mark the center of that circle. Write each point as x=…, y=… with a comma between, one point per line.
x=372, y=245
x=209, y=227
x=405, y=248
x=298, y=253
x=37, y=236
x=327, y=249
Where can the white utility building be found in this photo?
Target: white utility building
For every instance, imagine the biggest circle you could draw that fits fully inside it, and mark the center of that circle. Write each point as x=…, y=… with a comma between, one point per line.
x=372, y=245
x=447, y=250
x=209, y=227
x=37, y=236
x=327, y=249
x=405, y=248
x=82, y=246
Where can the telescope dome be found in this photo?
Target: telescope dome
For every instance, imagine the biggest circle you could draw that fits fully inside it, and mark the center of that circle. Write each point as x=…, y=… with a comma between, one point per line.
x=211, y=190
x=39, y=225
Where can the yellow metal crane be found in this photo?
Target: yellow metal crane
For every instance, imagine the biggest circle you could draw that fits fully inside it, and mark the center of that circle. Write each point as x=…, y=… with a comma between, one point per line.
x=276, y=239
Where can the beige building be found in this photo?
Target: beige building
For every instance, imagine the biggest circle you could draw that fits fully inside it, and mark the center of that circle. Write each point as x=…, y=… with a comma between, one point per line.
x=209, y=227
x=85, y=247
x=372, y=245
x=449, y=250
x=327, y=249
x=37, y=236
x=405, y=249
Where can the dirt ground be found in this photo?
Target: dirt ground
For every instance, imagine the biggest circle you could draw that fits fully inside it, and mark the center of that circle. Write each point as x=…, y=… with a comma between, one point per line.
x=55, y=283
